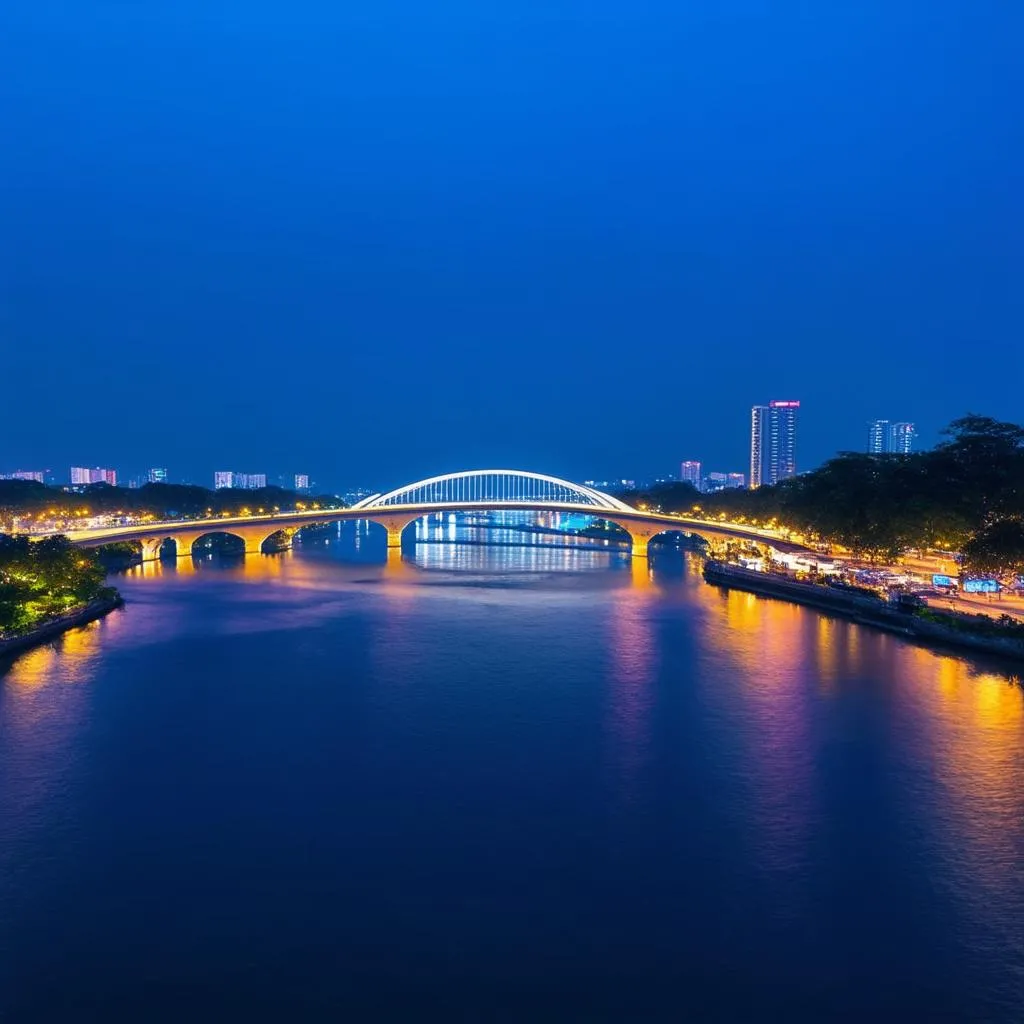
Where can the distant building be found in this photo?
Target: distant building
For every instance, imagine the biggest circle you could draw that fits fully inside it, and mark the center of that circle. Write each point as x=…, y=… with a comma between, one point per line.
x=82, y=475
x=878, y=437
x=773, y=442
x=249, y=481
x=901, y=438
x=610, y=485
x=886, y=438
x=25, y=474
x=157, y=475
x=301, y=482
x=689, y=473
x=758, y=415
x=241, y=481
x=723, y=481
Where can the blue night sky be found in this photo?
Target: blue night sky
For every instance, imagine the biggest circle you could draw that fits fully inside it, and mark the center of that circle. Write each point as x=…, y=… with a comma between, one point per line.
x=376, y=241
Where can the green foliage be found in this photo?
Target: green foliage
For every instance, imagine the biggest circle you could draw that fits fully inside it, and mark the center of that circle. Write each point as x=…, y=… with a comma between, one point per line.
x=41, y=579
x=666, y=497
x=996, y=549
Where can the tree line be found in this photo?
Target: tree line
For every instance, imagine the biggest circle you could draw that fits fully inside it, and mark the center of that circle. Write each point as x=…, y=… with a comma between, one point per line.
x=29, y=498
x=966, y=494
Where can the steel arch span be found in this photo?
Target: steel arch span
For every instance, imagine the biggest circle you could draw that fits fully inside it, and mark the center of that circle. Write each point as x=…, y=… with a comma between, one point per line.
x=503, y=486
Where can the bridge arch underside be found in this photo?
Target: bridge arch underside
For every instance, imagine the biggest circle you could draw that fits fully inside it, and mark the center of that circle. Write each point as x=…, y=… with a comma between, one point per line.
x=641, y=536
x=638, y=534
x=248, y=540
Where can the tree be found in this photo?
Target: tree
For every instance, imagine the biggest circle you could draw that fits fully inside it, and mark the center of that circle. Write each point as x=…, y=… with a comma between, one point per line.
x=981, y=468
x=39, y=579
x=997, y=549
x=673, y=496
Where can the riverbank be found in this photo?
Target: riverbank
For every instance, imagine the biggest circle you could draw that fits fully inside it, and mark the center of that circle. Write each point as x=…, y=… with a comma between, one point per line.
x=54, y=627
x=867, y=610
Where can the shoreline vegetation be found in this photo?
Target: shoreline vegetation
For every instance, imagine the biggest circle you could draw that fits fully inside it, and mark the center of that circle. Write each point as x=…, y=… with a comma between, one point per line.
x=964, y=498
x=965, y=495
x=47, y=587
x=52, y=628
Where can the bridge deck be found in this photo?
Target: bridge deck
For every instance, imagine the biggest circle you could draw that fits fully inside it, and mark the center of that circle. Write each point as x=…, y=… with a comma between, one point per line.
x=635, y=519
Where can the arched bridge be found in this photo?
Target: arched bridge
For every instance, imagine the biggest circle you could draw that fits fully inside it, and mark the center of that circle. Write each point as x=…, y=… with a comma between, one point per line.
x=482, y=490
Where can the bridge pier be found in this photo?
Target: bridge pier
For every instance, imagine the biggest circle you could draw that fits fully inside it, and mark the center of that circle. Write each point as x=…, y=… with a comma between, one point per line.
x=640, y=535
x=395, y=525
x=638, y=544
x=253, y=541
x=183, y=545
x=151, y=549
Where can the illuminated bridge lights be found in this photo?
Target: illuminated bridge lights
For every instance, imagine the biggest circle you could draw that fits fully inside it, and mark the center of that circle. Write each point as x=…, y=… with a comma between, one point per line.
x=503, y=486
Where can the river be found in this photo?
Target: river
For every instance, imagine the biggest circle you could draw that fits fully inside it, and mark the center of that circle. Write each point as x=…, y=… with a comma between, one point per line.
x=496, y=782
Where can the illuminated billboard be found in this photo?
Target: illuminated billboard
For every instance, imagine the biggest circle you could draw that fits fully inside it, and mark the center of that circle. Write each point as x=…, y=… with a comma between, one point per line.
x=981, y=586
x=939, y=580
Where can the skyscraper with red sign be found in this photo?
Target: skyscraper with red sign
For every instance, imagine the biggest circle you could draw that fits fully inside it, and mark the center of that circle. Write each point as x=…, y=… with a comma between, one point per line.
x=773, y=442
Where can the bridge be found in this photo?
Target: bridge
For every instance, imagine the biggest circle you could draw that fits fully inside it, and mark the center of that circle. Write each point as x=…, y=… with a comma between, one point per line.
x=481, y=490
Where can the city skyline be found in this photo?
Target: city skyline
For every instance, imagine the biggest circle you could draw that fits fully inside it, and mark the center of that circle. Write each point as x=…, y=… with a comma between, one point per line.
x=884, y=437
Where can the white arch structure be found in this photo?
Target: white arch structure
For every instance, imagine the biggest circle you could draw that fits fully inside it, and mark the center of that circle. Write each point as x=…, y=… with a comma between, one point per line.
x=502, y=486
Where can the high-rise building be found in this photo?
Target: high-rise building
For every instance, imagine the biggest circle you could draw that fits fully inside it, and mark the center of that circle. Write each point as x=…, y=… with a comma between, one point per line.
x=223, y=478
x=735, y=480
x=901, y=438
x=878, y=437
x=689, y=473
x=886, y=438
x=773, y=442
x=758, y=415
x=157, y=475
x=302, y=481
x=79, y=475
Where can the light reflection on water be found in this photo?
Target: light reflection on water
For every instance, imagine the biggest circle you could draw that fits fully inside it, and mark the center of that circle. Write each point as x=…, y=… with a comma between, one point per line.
x=656, y=774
